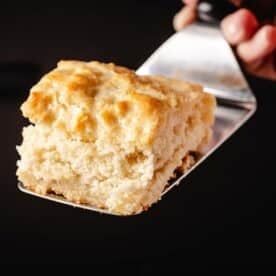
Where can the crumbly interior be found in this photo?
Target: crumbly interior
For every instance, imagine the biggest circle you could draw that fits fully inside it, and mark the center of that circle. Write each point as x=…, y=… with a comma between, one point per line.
x=108, y=138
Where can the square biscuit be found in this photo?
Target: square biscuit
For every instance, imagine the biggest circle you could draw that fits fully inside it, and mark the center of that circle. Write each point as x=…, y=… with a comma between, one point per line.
x=104, y=136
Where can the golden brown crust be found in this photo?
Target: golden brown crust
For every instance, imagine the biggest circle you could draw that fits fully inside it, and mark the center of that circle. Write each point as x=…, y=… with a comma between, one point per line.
x=77, y=96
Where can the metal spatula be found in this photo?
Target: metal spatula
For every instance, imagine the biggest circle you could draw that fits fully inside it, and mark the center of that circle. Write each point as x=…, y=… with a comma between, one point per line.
x=199, y=54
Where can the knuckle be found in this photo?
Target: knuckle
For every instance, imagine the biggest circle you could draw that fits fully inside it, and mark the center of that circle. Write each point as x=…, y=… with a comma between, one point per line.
x=268, y=35
x=244, y=12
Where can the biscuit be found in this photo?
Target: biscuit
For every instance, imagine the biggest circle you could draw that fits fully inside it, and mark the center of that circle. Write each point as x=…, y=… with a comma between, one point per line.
x=104, y=136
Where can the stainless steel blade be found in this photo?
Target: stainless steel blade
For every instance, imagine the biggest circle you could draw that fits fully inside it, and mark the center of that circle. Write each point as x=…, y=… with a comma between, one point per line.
x=200, y=54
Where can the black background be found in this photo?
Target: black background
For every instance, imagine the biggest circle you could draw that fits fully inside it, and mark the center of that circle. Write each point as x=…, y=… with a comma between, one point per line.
x=222, y=213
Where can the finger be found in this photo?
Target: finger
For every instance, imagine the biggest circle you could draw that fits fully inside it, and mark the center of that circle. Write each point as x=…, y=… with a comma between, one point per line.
x=259, y=46
x=185, y=17
x=239, y=26
x=265, y=68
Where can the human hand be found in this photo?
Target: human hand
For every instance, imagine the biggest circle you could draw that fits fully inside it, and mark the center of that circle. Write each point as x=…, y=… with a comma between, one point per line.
x=255, y=44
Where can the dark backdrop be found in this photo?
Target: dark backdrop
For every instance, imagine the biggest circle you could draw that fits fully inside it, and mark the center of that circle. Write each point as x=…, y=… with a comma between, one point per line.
x=222, y=212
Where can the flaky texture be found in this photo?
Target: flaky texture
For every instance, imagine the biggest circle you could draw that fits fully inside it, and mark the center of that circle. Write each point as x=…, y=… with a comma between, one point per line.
x=106, y=137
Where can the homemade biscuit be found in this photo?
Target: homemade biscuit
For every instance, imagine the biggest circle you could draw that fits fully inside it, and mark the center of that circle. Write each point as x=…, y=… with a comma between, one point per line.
x=103, y=136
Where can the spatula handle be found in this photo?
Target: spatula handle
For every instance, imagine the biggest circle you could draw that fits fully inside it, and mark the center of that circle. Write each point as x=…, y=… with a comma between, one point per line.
x=213, y=11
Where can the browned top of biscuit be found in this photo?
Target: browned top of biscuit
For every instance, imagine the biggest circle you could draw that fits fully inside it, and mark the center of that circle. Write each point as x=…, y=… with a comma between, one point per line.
x=90, y=99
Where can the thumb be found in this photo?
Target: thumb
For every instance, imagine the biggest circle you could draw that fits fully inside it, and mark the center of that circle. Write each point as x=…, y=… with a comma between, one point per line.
x=184, y=17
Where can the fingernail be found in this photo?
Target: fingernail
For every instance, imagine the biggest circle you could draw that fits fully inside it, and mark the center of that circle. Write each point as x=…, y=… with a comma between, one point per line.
x=176, y=22
x=232, y=31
